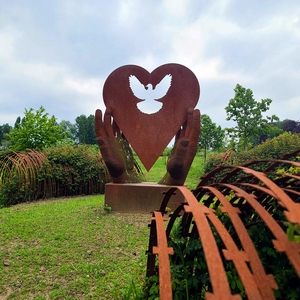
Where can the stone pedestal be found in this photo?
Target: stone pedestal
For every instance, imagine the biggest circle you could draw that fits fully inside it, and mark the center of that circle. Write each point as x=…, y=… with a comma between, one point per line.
x=142, y=197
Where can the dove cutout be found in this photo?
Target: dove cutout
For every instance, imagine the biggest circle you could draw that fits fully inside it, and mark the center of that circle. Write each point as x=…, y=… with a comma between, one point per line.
x=150, y=95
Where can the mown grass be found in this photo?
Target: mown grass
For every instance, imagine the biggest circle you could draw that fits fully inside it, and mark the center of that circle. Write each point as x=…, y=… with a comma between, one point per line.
x=159, y=170
x=72, y=248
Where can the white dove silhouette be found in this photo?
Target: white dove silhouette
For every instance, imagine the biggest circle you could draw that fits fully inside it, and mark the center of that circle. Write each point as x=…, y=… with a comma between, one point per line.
x=147, y=94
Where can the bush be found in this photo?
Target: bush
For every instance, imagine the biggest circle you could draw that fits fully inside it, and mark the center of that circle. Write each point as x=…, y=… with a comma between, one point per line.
x=213, y=161
x=73, y=171
x=59, y=171
x=273, y=148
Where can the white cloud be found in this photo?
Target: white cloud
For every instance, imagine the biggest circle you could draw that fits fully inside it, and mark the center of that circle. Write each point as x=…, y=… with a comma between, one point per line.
x=86, y=86
x=58, y=53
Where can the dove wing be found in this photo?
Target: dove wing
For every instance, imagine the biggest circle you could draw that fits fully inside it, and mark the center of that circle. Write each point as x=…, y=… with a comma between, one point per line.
x=137, y=87
x=162, y=87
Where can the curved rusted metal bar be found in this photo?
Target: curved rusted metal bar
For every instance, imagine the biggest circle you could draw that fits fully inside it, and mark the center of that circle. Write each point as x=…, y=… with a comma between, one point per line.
x=240, y=189
x=173, y=218
x=264, y=282
x=170, y=192
x=293, y=209
x=281, y=243
x=214, y=262
x=163, y=252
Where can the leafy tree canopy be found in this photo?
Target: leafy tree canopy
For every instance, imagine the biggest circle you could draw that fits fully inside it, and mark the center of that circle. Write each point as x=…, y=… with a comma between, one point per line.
x=36, y=131
x=70, y=129
x=211, y=136
x=247, y=113
x=85, y=129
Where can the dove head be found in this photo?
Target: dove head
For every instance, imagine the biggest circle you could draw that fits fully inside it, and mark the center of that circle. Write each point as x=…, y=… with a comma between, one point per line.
x=149, y=86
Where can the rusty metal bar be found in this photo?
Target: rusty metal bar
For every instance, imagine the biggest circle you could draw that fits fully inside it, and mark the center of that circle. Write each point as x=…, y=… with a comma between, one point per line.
x=220, y=286
x=163, y=252
x=264, y=282
x=281, y=243
x=239, y=191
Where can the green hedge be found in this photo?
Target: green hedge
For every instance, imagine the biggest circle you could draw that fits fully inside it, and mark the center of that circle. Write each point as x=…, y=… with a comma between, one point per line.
x=73, y=171
x=56, y=172
x=271, y=149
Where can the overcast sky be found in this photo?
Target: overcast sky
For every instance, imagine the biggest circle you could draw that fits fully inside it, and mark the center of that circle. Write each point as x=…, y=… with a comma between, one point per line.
x=57, y=54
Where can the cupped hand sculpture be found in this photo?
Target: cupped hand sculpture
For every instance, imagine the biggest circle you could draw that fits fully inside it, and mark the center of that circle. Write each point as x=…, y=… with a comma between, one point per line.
x=118, y=156
x=115, y=149
x=184, y=150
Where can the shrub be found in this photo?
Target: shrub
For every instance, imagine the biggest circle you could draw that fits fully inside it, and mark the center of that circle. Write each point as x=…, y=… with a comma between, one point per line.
x=273, y=148
x=59, y=171
x=73, y=171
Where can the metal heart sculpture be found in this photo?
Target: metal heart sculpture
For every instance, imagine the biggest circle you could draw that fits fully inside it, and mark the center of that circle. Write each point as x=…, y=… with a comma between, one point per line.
x=150, y=134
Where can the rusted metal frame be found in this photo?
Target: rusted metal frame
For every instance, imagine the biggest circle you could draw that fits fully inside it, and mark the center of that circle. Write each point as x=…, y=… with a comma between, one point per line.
x=168, y=194
x=289, y=162
x=287, y=182
x=173, y=218
x=292, y=209
x=236, y=201
x=263, y=194
x=291, y=176
x=287, y=190
x=252, y=163
x=218, y=278
x=272, y=166
x=281, y=242
x=234, y=171
x=239, y=259
x=291, y=154
x=210, y=200
x=211, y=175
x=187, y=219
x=284, y=157
x=256, y=161
x=265, y=283
x=200, y=194
x=266, y=194
x=151, y=257
x=163, y=251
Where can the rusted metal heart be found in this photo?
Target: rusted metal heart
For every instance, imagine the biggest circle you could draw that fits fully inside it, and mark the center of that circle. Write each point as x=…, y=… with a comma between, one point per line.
x=150, y=134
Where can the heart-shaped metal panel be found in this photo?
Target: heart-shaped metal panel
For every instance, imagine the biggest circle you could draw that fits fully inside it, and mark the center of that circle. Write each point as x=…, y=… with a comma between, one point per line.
x=150, y=134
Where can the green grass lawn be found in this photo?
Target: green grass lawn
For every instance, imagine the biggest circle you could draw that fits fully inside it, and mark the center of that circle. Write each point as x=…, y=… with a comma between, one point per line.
x=70, y=249
x=159, y=170
x=73, y=249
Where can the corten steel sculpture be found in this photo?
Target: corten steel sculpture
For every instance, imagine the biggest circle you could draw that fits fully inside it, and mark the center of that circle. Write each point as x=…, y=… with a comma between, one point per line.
x=125, y=122
x=269, y=198
x=236, y=192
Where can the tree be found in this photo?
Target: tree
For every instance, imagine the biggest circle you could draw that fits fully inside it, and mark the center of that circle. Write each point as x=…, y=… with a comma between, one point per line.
x=290, y=126
x=247, y=112
x=70, y=129
x=4, y=130
x=36, y=131
x=211, y=136
x=18, y=121
x=85, y=129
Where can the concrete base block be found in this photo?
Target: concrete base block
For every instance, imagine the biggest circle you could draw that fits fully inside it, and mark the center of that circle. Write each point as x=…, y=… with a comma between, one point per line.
x=142, y=197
